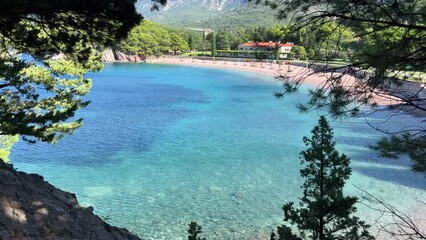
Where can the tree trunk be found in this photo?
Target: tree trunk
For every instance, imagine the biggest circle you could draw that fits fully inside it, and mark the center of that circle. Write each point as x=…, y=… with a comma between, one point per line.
x=321, y=220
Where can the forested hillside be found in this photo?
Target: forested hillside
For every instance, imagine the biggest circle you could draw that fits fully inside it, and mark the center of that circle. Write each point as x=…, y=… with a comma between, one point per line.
x=149, y=38
x=211, y=14
x=249, y=15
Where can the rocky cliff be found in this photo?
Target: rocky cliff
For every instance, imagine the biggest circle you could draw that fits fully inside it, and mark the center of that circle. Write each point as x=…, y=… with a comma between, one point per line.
x=31, y=208
x=113, y=55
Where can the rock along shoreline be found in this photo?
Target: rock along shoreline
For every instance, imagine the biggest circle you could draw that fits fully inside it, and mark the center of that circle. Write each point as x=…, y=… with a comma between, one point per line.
x=31, y=208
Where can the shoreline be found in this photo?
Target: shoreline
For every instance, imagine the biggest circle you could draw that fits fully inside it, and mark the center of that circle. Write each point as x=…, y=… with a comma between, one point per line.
x=274, y=70
x=268, y=69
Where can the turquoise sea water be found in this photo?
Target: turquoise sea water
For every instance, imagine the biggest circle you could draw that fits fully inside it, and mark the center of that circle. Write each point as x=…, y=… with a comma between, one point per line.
x=164, y=145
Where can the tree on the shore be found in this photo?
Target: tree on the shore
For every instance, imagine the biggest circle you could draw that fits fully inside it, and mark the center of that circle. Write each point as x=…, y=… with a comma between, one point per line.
x=203, y=46
x=191, y=43
x=149, y=38
x=41, y=90
x=192, y=38
x=324, y=212
x=390, y=48
x=223, y=40
x=141, y=43
x=178, y=44
x=299, y=52
x=213, y=44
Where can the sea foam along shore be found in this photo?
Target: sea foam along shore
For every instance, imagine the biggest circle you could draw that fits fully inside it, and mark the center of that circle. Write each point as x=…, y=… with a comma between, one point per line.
x=272, y=69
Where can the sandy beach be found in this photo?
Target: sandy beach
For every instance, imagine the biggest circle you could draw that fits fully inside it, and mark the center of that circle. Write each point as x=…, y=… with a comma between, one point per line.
x=272, y=69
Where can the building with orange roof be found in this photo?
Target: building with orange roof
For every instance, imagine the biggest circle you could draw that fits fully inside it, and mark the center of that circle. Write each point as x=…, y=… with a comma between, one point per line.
x=250, y=49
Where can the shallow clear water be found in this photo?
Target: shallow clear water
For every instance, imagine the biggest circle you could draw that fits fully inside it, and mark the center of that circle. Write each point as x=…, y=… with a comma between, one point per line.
x=164, y=145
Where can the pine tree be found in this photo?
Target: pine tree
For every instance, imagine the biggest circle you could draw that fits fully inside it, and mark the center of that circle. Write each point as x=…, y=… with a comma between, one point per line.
x=324, y=212
x=223, y=40
x=191, y=43
x=213, y=44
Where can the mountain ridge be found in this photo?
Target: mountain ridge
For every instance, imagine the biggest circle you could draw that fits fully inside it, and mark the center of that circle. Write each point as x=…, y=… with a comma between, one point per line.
x=176, y=5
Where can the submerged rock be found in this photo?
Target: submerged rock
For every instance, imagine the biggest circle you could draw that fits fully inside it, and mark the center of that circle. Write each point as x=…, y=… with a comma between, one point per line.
x=31, y=208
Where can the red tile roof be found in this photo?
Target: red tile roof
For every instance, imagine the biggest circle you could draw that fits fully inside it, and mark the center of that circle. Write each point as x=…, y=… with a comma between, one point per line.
x=265, y=44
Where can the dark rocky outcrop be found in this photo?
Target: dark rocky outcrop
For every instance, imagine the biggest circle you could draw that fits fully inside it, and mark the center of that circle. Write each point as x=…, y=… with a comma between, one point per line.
x=31, y=208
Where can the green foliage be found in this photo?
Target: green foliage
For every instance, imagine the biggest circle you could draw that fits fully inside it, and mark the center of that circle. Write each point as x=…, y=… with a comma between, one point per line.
x=198, y=54
x=258, y=34
x=396, y=42
x=198, y=42
x=39, y=97
x=49, y=27
x=6, y=143
x=187, y=34
x=299, y=52
x=203, y=46
x=248, y=15
x=413, y=146
x=193, y=231
x=227, y=39
x=140, y=43
x=277, y=33
x=178, y=44
x=324, y=213
x=192, y=16
x=213, y=44
x=26, y=112
x=149, y=38
x=323, y=41
x=191, y=42
x=223, y=40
